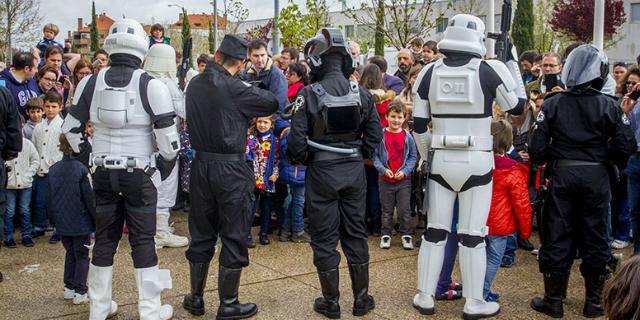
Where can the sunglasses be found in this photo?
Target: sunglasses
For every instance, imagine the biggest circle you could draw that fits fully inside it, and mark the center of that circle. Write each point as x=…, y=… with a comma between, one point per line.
x=632, y=83
x=549, y=65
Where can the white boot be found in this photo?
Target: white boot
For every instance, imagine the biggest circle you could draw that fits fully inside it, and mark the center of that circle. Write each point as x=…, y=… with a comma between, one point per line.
x=473, y=266
x=164, y=233
x=150, y=282
x=101, y=306
x=430, y=261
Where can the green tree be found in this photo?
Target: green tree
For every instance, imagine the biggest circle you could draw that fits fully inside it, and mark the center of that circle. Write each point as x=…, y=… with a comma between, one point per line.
x=522, y=29
x=186, y=32
x=95, y=45
x=292, y=26
x=211, y=39
x=234, y=15
x=379, y=34
x=545, y=39
x=317, y=16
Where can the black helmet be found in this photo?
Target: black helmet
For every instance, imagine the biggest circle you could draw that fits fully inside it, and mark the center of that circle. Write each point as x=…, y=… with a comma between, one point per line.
x=326, y=41
x=586, y=66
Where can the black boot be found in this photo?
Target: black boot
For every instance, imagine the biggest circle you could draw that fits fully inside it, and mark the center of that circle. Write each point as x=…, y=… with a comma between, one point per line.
x=593, y=285
x=555, y=287
x=194, y=301
x=230, y=307
x=328, y=305
x=362, y=301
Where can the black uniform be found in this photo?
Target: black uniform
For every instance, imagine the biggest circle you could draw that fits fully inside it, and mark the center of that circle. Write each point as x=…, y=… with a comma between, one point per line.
x=335, y=189
x=578, y=135
x=219, y=109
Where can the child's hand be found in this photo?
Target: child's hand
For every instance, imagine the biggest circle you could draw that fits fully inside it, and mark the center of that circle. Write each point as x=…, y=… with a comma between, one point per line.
x=399, y=175
x=389, y=174
x=273, y=177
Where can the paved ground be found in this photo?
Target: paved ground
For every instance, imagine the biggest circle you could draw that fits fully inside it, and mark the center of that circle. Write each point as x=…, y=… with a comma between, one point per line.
x=281, y=279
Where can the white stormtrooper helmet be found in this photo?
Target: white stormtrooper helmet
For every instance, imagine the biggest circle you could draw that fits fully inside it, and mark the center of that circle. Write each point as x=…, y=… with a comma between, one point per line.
x=127, y=36
x=465, y=33
x=161, y=60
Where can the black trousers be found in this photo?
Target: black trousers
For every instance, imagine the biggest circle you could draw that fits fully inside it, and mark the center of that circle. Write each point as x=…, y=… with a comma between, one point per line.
x=76, y=262
x=125, y=196
x=221, y=196
x=574, y=217
x=335, y=198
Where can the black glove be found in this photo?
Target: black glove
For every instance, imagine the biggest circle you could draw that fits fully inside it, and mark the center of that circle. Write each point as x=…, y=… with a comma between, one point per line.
x=258, y=84
x=164, y=166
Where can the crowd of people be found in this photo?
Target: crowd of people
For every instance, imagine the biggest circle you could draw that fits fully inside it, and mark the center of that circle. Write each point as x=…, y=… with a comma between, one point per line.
x=49, y=186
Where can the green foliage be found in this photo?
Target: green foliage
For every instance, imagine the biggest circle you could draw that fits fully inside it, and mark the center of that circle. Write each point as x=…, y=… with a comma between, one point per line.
x=379, y=34
x=545, y=39
x=211, y=40
x=94, y=28
x=523, y=23
x=186, y=32
x=234, y=14
x=296, y=28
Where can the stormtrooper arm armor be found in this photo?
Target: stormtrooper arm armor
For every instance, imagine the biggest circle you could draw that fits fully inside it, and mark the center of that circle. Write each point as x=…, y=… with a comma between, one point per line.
x=421, y=114
x=73, y=125
x=510, y=94
x=164, y=127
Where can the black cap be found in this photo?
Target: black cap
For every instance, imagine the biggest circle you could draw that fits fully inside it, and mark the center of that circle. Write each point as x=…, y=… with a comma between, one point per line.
x=234, y=47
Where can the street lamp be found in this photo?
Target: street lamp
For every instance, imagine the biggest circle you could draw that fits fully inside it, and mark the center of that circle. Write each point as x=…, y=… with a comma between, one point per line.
x=214, y=3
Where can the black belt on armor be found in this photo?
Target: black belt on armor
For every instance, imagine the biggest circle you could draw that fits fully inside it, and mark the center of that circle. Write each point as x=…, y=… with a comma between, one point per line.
x=210, y=156
x=328, y=155
x=575, y=163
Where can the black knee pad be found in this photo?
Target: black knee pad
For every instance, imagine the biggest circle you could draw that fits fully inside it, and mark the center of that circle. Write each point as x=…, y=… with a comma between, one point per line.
x=470, y=241
x=435, y=235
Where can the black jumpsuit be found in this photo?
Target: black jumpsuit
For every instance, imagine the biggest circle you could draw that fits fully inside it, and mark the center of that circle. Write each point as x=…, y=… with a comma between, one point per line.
x=219, y=109
x=10, y=143
x=578, y=135
x=335, y=189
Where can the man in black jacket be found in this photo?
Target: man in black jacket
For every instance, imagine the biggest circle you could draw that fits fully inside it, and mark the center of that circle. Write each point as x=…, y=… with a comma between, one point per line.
x=10, y=144
x=219, y=108
x=336, y=125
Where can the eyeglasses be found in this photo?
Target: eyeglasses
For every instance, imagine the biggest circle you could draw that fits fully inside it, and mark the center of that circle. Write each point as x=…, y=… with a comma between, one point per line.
x=549, y=65
x=84, y=73
x=49, y=79
x=632, y=83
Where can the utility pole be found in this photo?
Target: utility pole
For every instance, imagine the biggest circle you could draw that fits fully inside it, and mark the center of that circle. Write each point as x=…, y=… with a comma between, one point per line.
x=276, y=33
x=598, y=24
x=215, y=25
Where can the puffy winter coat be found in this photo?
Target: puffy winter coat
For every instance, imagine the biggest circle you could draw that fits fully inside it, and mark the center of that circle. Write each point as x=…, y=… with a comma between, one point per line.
x=24, y=167
x=383, y=100
x=289, y=174
x=510, y=205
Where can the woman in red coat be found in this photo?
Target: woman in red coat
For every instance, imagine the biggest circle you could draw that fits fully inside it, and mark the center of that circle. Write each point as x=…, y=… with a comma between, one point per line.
x=297, y=78
x=510, y=213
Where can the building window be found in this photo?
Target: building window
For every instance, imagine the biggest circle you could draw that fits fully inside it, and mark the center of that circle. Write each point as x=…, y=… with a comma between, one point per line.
x=349, y=31
x=441, y=24
x=635, y=12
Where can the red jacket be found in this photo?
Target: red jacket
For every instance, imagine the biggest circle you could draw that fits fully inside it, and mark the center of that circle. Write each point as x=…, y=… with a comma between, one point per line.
x=293, y=90
x=510, y=205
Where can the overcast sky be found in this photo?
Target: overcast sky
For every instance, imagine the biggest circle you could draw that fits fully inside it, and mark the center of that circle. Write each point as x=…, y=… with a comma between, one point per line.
x=65, y=13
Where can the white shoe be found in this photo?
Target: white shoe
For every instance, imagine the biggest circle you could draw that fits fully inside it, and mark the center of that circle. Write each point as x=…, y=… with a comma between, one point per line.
x=407, y=242
x=385, y=242
x=166, y=312
x=476, y=309
x=168, y=239
x=80, y=298
x=150, y=282
x=619, y=244
x=68, y=293
x=424, y=303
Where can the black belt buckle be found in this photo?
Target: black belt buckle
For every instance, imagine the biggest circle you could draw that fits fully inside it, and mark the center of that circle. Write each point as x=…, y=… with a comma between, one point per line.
x=148, y=170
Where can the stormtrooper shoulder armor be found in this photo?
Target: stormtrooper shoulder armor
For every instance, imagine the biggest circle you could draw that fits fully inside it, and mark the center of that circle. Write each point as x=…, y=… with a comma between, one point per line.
x=159, y=96
x=507, y=92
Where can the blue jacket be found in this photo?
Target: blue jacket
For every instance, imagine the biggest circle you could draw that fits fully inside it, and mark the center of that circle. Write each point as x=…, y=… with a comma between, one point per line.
x=21, y=91
x=289, y=174
x=275, y=81
x=45, y=43
x=409, y=159
x=271, y=165
x=393, y=83
x=70, y=201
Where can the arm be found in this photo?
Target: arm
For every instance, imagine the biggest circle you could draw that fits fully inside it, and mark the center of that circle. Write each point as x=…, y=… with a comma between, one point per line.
x=623, y=142
x=521, y=204
x=87, y=194
x=13, y=134
x=73, y=60
x=73, y=126
x=421, y=112
x=372, y=130
x=162, y=114
x=252, y=101
x=510, y=93
x=377, y=162
x=412, y=160
x=34, y=159
x=541, y=136
x=297, y=149
x=279, y=87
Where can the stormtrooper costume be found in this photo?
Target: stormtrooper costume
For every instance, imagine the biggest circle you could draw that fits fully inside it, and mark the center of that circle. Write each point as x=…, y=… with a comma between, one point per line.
x=160, y=63
x=132, y=115
x=456, y=95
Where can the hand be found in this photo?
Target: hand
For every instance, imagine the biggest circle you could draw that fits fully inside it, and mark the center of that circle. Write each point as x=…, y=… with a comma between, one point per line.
x=627, y=104
x=389, y=174
x=524, y=155
x=535, y=70
x=355, y=76
x=557, y=89
x=273, y=177
x=67, y=83
x=399, y=175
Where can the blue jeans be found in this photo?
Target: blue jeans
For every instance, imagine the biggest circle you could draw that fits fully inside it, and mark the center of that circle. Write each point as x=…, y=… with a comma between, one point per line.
x=293, y=219
x=39, y=214
x=262, y=200
x=496, y=246
x=512, y=246
x=21, y=197
x=450, y=253
x=633, y=188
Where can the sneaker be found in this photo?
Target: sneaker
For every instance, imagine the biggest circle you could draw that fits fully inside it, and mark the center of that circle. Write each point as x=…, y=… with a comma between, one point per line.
x=525, y=245
x=535, y=252
x=301, y=237
x=80, y=298
x=507, y=262
x=407, y=242
x=385, y=242
x=27, y=242
x=284, y=236
x=250, y=243
x=168, y=239
x=69, y=294
x=492, y=297
x=264, y=239
x=10, y=243
x=449, y=295
x=55, y=238
x=37, y=233
x=619, y=244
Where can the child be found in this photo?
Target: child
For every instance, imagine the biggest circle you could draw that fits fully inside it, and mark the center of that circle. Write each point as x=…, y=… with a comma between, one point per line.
x=293, y=176
x=50, y=32
x=72, y=211
x=510, y=208
x=621, y=294
x=35, y=108
x=394, y=159
x=265, y=168
x=45, y=138
x=157, y=35
x=19, y=179
x=430, y=51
